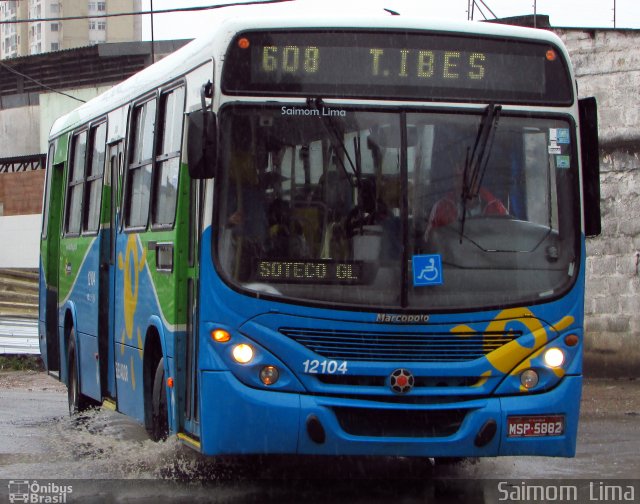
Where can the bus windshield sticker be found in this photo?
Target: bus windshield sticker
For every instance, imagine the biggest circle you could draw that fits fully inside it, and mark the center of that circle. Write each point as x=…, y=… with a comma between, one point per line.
x=427, y=270
x=563, y=162
x=562, y=136
x=557, y=138
x=323, y=111
x=554, y=148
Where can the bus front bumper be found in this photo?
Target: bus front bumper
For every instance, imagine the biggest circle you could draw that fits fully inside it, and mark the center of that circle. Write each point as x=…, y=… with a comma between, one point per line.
x=236, y=420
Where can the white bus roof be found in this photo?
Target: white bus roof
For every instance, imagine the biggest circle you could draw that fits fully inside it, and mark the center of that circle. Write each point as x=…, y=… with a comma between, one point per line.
x=214, y=44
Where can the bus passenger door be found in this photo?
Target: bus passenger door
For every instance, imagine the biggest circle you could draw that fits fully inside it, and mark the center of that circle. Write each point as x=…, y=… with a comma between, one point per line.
x=50, y=254
x=106, y=340
x=191, y=414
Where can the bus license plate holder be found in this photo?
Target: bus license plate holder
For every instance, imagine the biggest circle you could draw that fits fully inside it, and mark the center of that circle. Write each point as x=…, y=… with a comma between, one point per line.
x=535, y=426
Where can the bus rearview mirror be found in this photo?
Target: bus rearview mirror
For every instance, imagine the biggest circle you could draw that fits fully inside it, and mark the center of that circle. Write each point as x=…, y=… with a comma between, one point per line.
x=202, y=144
x=590, y=165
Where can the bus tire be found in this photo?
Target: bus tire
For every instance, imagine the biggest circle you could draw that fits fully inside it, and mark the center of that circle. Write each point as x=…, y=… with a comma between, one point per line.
x=159, y=429
x=78, y=402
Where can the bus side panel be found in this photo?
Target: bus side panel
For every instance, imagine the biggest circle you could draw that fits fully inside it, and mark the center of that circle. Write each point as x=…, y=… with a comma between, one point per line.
x=89, y=373
x=132, y=287
x=128, y=365
x=79, y=283
x=144, y=303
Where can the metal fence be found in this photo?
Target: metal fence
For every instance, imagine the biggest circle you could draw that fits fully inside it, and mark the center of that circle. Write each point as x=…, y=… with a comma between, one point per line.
x=19, y=336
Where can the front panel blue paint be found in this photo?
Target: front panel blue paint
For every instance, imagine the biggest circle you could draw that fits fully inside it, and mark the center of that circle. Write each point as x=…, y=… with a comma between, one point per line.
x=565, y=399
x=232, y=391
x=241, y=420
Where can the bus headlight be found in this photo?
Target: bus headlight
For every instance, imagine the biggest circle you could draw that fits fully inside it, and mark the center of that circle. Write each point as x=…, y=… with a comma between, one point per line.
x=242, y=353
x=554, y=357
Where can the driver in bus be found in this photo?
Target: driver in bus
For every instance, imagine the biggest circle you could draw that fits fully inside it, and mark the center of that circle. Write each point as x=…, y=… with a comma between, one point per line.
x=450, y=207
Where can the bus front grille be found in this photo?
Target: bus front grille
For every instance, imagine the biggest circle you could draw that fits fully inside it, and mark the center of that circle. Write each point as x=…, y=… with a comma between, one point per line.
x=399, y=422
x=399, y=346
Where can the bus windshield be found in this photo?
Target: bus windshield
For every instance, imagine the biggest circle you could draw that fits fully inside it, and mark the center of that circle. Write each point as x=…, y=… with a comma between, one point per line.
x=341, y=206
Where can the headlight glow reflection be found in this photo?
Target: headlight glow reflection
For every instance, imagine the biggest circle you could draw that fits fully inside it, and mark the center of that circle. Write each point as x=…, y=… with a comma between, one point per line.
x=242, y=353
x=554, y=357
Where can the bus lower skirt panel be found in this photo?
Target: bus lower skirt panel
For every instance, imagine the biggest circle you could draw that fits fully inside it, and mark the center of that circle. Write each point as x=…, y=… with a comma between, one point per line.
x=239, y=420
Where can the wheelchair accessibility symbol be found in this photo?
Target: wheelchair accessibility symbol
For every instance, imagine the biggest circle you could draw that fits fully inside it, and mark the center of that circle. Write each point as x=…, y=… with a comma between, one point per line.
x=427, y=270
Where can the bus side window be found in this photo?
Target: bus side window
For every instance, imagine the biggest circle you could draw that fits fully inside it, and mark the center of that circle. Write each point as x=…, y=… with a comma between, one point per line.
x=47, y=192
x=168, y=157
x=73, y=216
x=93, y=194
x=138, y=185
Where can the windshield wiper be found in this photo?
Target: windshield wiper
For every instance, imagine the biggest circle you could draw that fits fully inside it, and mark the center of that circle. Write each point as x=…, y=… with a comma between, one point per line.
x=329, y=125
x=475, y=164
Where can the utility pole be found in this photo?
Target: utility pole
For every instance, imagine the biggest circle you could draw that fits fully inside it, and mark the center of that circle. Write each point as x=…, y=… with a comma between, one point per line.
x=614, y=14
x=153, y=44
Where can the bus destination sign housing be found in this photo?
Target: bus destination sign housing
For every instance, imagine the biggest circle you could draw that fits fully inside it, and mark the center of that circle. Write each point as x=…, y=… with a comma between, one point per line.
x=407, y=65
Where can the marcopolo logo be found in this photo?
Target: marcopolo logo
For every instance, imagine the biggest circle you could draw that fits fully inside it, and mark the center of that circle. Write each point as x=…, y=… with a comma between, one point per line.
x=395, y=318
x=46, y=493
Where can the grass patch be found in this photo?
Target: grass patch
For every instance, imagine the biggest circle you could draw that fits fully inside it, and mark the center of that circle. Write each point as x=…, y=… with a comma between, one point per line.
x=21, y=363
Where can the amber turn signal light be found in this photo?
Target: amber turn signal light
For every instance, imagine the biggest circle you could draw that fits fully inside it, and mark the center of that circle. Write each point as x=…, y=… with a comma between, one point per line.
x=220, y=336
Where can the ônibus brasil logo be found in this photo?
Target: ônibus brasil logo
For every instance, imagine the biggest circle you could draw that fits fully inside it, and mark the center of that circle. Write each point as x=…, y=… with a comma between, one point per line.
x=47, y=493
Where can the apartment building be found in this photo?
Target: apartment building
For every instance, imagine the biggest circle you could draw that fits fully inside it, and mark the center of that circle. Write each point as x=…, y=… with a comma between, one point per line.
x=39, y=36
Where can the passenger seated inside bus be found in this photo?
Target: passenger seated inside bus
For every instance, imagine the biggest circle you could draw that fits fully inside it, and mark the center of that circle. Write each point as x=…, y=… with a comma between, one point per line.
x=335, y=190
x=286, y=239
x=247, y=226
x=450, y=207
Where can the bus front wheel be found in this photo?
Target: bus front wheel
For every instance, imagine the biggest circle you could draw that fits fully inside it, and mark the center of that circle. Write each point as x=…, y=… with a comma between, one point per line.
x=159, y=428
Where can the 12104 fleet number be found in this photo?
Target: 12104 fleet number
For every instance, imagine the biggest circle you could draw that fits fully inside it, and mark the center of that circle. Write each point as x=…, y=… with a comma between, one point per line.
x=324, y=367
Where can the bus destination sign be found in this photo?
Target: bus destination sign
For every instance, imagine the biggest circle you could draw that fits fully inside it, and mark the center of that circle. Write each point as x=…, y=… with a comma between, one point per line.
x=319, y=271
x=407, y=65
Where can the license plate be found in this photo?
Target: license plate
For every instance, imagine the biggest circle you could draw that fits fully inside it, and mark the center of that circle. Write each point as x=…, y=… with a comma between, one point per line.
x=535, y=426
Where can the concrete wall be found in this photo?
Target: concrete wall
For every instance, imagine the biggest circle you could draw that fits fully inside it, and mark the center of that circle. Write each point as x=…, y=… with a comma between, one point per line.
x=24, y=131
x=55, y=105
x=607, y=65
x=20, y=131
x=20, y=238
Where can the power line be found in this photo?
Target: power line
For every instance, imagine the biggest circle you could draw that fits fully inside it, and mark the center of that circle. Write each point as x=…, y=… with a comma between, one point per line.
x=488, y=8
x=118, y=14
x=14, y=71
x=141, y=13
x=473, y=4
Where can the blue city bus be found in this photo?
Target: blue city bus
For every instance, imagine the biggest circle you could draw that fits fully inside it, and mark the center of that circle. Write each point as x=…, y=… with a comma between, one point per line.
x=354, y=236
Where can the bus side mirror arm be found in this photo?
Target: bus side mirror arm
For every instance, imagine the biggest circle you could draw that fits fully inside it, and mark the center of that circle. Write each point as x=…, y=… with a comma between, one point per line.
x=590, y=151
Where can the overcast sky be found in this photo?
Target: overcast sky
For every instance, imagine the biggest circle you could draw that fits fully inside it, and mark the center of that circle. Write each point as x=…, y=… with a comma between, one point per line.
x=562, y=13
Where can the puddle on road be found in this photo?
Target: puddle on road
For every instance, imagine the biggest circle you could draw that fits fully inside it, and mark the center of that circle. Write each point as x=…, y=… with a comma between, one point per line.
x=106, y=445
x=103, y=444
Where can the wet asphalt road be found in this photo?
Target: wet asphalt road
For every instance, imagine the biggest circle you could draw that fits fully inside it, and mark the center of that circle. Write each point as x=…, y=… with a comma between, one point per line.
x=39, y=441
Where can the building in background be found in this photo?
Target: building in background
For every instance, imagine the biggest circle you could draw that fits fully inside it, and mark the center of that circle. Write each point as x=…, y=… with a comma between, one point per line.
x=34, y=91
x=28, y=38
